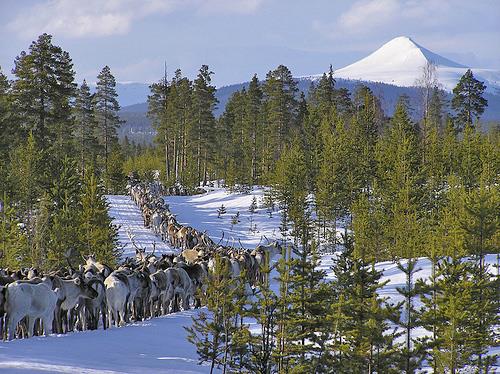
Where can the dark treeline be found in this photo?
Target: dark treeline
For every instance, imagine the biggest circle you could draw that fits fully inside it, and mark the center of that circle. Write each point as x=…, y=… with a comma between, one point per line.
x=59, y=154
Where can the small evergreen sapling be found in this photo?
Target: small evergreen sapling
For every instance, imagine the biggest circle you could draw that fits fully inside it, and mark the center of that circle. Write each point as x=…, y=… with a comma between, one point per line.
x=252, y=209
x=235, y=219
x=253, y=206
x=221, y=211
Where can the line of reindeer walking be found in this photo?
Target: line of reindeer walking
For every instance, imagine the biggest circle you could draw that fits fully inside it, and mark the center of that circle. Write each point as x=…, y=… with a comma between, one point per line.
x=95, y=295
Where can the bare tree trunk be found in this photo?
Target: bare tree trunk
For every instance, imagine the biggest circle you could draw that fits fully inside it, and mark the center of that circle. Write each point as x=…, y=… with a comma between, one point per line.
x=167, y=156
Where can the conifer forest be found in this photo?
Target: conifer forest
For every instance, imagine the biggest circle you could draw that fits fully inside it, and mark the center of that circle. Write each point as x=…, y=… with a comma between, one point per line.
x=342, y=179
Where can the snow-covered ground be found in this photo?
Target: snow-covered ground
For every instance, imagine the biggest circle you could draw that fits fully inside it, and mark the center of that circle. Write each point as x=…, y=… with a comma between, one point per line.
x=127, y=217
x=159, y=345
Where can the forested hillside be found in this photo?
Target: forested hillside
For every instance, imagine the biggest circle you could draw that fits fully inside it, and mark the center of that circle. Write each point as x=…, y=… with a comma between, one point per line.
x=137, y=126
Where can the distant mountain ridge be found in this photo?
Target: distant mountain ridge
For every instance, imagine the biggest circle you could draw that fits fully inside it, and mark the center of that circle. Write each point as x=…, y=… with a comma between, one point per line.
x=390, y=71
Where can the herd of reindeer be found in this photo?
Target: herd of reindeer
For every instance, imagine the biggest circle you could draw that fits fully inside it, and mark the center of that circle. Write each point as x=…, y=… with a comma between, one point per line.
x=95, y=295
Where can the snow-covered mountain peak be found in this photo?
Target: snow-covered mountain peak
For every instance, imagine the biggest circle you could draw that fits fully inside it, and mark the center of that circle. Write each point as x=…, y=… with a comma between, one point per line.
x=403, y=50
x=400, y=62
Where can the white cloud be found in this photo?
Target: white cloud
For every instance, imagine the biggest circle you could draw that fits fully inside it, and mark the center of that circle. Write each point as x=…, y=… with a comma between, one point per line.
x=94, y=18
x=368, y=14
x=365, y=17
x=230, y=6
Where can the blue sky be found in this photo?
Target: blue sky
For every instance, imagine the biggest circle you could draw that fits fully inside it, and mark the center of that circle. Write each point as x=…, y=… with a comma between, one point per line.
x=238, y=38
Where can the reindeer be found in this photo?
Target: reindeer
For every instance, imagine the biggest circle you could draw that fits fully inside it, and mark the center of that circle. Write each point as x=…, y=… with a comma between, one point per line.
x=31, y=301
x=71, y=291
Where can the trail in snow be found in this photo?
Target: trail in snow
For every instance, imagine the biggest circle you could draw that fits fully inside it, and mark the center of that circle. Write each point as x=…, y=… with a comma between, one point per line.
x=127, y=216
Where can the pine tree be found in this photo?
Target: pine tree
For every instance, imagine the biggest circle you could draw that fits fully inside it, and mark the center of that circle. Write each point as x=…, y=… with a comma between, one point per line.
x=289, y=185
x=367, y=225
x=204, y=103
x=106, y=113
x=43, y=224
x=366, y=124
x=43, y=90
x=212, y=332
x=398, y=155
x=65, y=218
x=281, y=108
x=85, y=127
x=181, y=114
x=10, y=134
x=468, y=101
x=264, y=308
x=450, y=144
x=451, y=349
x=362, y=339
x=337, y=184
x=115, y=178
x=307, y=322
x=469, y=166
x=233, y=138
x=480, y=224
x=412, y=352
x=254, y=127
x=158, y=113
x=25, y=174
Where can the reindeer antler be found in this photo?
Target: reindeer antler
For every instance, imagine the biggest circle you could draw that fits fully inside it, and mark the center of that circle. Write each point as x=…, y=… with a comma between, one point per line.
x=241, y=245
x=131, y=237
x=221, y=239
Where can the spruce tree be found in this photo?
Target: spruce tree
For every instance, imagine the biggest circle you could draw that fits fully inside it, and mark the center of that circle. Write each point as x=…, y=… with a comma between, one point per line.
x=221, y=211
